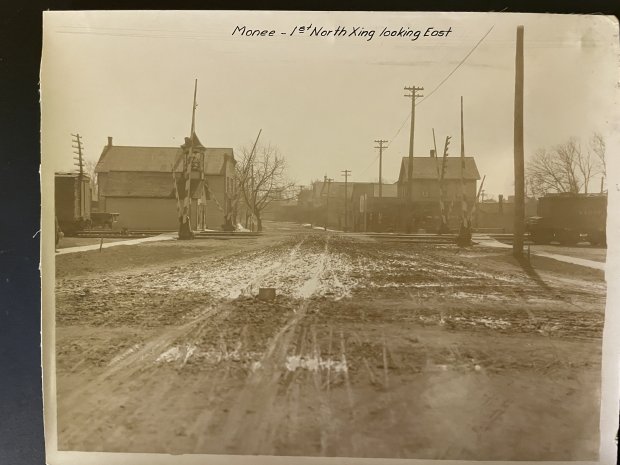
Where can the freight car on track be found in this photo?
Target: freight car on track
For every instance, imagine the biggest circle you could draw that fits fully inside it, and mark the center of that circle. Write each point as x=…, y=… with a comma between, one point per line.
x=72, y=199
x=569, y=219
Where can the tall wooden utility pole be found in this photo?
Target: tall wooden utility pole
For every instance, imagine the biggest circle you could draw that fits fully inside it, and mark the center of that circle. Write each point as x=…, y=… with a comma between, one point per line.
x=346, y=174
x=463, y=197
x=329, y=183
x=381, y=147
x=464, y=237
x=413, y=94
x=252, y=196
x=519, y=220
x=79, y=162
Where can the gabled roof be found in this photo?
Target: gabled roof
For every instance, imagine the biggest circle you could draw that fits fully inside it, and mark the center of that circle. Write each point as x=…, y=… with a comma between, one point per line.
x=71, y=174
x=156, y=159
x=426, y=168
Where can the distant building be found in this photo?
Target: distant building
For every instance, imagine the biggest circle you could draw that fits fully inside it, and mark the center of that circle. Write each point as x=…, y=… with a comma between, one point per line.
x=332, y=210
x=426, y=183
x=139, y=184
x=283, y=205
x=305, y=197
x=374, y=212
x=425, y=189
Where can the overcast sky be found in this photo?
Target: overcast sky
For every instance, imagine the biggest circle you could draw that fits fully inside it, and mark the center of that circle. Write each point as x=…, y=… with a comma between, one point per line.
x=323, y=100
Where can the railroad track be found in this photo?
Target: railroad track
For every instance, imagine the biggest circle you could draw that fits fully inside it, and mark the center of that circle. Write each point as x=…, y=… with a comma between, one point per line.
x=136, y=234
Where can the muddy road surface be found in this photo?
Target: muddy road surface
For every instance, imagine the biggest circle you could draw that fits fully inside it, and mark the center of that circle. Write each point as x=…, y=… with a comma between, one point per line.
x=370, y=349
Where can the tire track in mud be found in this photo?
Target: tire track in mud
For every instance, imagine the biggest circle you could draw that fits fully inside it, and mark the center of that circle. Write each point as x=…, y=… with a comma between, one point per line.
x=266, y=407
x=126, y=366
x=246, y=289
x=139, y=360
x=256, y=433
x=258, y=396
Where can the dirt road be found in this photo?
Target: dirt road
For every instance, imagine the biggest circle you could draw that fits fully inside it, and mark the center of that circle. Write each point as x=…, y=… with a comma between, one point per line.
x=371, y=349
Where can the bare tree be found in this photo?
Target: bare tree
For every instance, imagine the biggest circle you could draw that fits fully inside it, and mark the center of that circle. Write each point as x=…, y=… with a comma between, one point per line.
x=565, y=168
x=89, y=167
x=261, y=179
x=544, y=174
x=597, y=145
x=586, y=167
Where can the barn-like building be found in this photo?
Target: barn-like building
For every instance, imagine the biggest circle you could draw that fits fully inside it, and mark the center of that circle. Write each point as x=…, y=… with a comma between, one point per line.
x=138, y=183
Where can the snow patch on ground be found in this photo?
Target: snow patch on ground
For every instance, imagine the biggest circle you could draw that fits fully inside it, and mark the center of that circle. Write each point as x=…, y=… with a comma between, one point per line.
x=171, y=355
x=488, y=322
x=183, y=353
x=331, y=277
x=106, y=245
x=302, y=270
x=319, y=266
x=573, y=260
x=124, y=354
x=314, y=363
x=492, y=323
x=321, y=228
x=315, y=271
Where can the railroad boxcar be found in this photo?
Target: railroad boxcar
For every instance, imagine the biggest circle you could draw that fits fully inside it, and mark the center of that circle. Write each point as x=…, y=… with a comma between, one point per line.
x=569, y=219
x=72, y=200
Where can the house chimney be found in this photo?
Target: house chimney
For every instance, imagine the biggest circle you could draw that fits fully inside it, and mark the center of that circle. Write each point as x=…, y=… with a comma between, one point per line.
x=109, y=141
x=433, y=154
x=500, y=206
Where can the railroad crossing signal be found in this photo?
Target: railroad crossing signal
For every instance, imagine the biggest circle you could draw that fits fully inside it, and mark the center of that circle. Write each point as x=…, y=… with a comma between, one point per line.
x=79, y=160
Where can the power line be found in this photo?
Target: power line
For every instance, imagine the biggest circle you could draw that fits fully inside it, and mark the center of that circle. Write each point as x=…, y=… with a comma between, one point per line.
x=371, y=163
x=458, y=65
x=443, y=81
x=401, y=127
x=431, y=93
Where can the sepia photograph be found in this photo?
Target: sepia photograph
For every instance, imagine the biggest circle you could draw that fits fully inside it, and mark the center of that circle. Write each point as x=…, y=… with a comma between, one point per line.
x=326, y=234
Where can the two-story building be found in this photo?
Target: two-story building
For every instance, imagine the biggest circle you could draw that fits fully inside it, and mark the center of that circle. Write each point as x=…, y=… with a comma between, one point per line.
x=460, y=175
x=138, y=183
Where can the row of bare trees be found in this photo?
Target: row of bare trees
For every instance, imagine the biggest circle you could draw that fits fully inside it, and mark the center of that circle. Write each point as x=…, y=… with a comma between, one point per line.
x=568, y=167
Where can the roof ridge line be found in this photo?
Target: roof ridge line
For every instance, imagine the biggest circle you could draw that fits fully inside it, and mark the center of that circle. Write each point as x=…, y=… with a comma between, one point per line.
x=159, y=147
